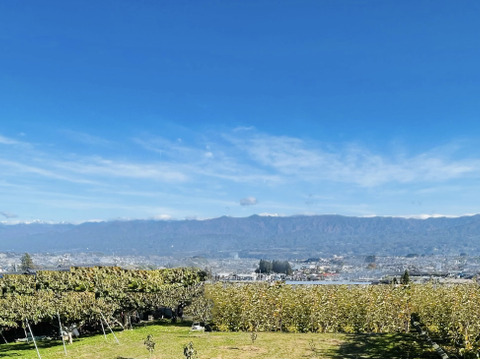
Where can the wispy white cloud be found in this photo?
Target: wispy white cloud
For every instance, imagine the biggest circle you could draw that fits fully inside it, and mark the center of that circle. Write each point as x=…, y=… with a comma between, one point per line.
x=101, y=167
x=269, y=215
x=8, y=215
x=248, y=201
x=162, y=217
x=85, y=138
x=430, y=216
x=16, y=168
x=209, y=159
x=7, y=141
x=176, y=150
x=14, y=142
x=209, y=172
x=246, y=155
x=84, y=168
x=350, y=163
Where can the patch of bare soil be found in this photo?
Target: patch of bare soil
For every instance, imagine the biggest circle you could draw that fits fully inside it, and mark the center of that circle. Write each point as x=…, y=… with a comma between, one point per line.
x=245, y=348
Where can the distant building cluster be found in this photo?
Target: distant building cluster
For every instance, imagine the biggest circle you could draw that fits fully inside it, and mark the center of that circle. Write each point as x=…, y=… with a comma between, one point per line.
x=365, y=269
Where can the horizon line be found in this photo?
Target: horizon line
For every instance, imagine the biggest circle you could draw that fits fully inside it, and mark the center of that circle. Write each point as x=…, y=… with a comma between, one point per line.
x=414, y=216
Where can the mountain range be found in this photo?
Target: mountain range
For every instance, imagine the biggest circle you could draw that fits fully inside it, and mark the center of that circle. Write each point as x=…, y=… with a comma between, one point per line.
x=254, y=236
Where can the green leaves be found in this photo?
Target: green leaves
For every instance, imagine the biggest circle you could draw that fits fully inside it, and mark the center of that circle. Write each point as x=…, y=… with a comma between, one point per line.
x=451, y=312
x=327, y=308
x=83, y=294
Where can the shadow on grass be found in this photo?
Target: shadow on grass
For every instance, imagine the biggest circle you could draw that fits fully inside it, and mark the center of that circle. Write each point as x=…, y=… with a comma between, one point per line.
x=164, y=322
x=383, y=346
x=357, y=346
x=18, y=348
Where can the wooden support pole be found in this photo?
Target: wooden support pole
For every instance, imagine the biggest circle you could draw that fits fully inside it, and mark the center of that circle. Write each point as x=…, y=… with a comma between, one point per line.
x=1, y=333
x=61, y=334
x=103, y=329
x=26, y=334
x=106, y=322
x=33, y=338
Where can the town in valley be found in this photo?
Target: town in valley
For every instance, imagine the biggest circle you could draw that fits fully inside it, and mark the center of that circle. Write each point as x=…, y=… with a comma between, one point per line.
x=369, y=269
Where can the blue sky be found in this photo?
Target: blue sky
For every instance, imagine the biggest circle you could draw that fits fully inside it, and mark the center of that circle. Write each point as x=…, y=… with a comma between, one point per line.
x=198, y=109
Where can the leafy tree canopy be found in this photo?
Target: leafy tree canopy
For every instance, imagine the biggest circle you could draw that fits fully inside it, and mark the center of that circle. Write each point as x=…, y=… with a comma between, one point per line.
x=26, y=262
x=275, y=266
x=405, y=278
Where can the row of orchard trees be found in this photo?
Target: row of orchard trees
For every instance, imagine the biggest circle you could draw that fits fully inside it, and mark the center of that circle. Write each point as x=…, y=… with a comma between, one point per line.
x=86, y=295
x=326, y=308
x=450, y=312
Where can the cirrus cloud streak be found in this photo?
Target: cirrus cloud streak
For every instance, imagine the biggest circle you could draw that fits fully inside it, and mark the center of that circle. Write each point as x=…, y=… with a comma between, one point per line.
x=203, y=177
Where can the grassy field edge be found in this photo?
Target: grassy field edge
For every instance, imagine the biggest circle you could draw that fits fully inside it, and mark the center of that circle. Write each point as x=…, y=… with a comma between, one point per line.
x=170, y=340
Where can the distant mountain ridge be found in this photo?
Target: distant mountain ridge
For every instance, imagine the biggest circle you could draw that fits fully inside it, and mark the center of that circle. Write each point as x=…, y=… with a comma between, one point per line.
x=257, y=236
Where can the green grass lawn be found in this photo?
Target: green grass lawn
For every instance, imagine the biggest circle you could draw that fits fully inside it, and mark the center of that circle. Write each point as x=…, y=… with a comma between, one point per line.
x=170, y=340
